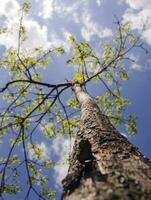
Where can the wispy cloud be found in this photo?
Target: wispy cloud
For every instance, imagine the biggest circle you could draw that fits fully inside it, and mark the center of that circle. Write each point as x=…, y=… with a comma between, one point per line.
x=138, y=4
x=139, y=14
x=47, y=8
x=9, y=9
x=61, y=149
x=91, y=28
x=136, y=67
x=37, y=35
x=41, y=31
x=98, y=2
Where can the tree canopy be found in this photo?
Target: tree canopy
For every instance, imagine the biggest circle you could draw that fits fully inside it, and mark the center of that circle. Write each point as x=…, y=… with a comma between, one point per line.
x=35, y=108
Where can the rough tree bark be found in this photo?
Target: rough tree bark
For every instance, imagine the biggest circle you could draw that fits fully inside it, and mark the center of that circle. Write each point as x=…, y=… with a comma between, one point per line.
x=104, y=165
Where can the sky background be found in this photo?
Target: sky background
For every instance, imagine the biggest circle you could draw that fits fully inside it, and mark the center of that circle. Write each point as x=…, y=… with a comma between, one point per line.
x=51, y=22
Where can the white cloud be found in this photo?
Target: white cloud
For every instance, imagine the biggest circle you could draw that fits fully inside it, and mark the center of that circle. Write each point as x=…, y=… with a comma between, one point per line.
x=56, y=41
x=138, y=4
x=80, y=13
x=147, y=35
x=9, y=40
x=65, y=9
x=91, y=28
x=139, y=18
x=36, y=35
x=135, y=58
x=60, y=173
x=139, y=14
x=77, y=12
x=61, y=148
x=70, y=10
x=66, y=34
x=47, y=8
x=139, y=67
x=9, y=8
x=148, y=64
x=52, y=8
x=98, y=2
x=136, y=66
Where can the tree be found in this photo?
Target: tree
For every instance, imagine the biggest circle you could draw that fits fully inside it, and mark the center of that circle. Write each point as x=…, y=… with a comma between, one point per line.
x=30, y=103
x=104, y=164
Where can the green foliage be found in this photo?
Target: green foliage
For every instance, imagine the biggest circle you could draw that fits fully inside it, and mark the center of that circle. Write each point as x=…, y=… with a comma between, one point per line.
x=59, y=50
x=3, y=30
x=35, y=109
x=81, y=52
x=73, y=103
x=47, y=192
x=25, y=6
x=113, y=105
x=124, y=75
x=80, y=77
x=48, y=130
x=131, y=125
x=11, y=189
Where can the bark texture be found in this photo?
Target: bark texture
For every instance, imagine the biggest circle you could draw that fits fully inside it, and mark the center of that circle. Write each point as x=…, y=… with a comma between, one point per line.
x=104, y=165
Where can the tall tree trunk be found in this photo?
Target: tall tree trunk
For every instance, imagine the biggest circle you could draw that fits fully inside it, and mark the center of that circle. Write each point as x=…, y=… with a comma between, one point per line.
x=104, y=165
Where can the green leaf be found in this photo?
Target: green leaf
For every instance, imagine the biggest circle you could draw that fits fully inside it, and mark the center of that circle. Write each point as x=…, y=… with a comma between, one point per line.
x=48, y=193
x=79, y=76
x=25, y=6
x=59, y=50
x=11, y=189
x=48, y=130
x=131, y=124
x=124, y=75
x=72, y=39
x=73, y=103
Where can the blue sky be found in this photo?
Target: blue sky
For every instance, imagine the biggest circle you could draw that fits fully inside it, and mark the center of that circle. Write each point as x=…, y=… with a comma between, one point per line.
x=51, y=22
